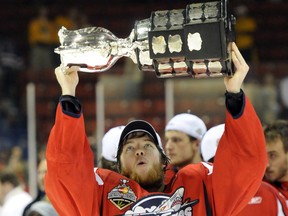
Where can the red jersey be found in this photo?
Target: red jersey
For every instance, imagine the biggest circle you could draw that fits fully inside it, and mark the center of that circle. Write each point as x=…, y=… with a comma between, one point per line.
x=197, y=189
x=282, y=187
x=267, y=201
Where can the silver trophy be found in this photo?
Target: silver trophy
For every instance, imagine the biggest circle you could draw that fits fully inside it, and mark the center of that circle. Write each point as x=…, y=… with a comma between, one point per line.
x=194, y=41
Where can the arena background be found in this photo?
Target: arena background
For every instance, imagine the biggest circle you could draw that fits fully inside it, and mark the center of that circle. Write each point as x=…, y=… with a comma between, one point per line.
x=127, y=92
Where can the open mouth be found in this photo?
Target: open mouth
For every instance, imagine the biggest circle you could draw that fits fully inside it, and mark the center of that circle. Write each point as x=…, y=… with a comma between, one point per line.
x=141, y=163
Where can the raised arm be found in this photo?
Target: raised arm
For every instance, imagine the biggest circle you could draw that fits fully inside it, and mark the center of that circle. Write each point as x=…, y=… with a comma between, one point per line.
x=241, y=159
x=233, y=84
x=70, y=180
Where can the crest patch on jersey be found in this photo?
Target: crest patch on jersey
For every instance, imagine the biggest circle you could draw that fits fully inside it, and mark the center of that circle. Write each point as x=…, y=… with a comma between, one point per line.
x=122, y=195
x=163, y=204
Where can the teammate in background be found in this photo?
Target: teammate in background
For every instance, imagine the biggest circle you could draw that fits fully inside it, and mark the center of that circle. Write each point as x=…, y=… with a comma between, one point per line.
x=267, y=201
x=276, y=136
x=183, y=134
x=110, y=143
x=210, y=142
x=198, y=189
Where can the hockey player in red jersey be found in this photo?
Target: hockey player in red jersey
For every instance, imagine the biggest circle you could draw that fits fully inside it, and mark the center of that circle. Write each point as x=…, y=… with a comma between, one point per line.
x=267, y=200
x=276, y=136
x=197, y=189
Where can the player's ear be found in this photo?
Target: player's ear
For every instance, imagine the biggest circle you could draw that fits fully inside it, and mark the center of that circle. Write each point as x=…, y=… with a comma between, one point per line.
x=286, y=156
x=195, y=145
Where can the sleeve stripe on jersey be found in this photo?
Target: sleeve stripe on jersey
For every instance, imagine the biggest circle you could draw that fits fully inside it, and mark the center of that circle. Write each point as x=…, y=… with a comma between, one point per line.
x=209, y=167
x=98, y=178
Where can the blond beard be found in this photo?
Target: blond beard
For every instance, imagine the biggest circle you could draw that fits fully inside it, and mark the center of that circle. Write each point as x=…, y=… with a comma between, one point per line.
x=153, y=178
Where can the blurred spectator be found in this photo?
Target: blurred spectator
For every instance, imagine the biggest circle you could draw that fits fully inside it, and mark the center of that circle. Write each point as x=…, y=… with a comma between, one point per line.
x=42, y=208
x=12, y=197
x=245, y=27
x=41, y=195
x=41, y=38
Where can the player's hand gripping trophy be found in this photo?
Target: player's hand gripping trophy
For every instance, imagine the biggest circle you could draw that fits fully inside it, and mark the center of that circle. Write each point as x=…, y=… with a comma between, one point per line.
x=194, y=41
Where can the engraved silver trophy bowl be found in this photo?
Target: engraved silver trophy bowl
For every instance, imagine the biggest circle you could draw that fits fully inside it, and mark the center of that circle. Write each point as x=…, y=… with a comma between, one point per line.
x=194, y=41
